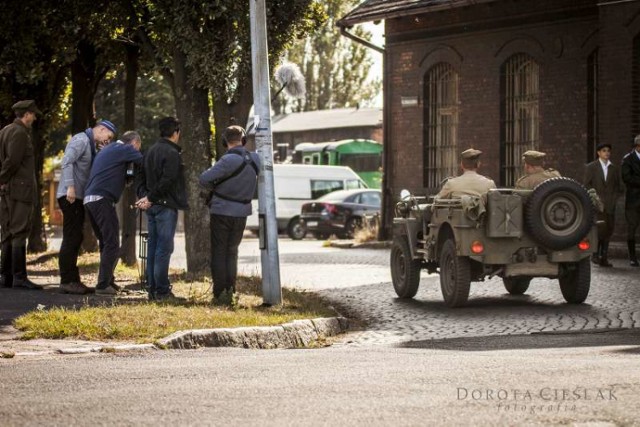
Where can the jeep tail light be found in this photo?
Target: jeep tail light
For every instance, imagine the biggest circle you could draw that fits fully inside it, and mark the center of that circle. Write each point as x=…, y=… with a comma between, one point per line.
x=477, y=247
x=584, y=245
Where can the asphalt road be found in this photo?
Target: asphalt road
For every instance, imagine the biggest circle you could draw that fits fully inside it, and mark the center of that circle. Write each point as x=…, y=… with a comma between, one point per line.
x=527, y=380
x=502, y=360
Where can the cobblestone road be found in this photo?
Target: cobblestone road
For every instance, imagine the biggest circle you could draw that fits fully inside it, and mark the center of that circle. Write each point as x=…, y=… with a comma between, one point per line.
x=359, y=282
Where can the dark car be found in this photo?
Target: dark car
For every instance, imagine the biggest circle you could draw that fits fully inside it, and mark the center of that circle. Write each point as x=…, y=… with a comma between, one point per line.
x=340, y=212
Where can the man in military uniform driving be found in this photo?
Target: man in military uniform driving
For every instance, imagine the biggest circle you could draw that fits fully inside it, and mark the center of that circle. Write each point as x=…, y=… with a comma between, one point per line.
x=470, y=182
x=535, y=173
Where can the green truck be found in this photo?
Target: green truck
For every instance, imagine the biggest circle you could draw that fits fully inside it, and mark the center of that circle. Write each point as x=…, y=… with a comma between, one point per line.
x=517, y=235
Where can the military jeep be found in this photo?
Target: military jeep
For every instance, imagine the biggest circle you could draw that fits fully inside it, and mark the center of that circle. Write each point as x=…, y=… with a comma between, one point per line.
x=517, y=235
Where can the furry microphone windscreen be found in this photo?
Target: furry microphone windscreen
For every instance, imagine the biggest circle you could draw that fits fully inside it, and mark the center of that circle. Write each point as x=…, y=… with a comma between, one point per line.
x=291, y=78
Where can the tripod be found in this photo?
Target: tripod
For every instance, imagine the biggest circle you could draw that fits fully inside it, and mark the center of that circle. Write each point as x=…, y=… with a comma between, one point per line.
x=143, y=241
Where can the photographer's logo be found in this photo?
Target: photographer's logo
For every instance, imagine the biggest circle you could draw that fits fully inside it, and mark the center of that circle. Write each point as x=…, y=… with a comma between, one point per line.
x=543, y=400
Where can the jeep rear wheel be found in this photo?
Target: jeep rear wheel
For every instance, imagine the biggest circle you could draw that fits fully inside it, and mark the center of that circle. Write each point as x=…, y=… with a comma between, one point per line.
x=405, y=271
x=516, y=285
x=455, y=275
x=575, y=281
x=559, y=213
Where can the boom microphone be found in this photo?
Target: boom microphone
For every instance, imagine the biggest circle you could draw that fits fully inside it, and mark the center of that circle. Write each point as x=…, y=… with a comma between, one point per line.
x=291, y=79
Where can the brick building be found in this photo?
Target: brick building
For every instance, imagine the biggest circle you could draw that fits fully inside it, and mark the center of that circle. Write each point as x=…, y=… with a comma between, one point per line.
x=503, y=76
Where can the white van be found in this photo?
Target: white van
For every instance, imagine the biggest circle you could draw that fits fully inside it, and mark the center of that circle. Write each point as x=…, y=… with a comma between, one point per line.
x=298, y=184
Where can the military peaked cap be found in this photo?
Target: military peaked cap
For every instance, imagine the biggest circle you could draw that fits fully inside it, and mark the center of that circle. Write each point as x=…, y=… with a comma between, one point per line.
x=26, y=105
x=470, y=154
x=534, y=158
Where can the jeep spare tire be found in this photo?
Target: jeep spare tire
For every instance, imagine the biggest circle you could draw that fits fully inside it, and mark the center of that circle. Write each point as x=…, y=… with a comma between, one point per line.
x=559, y=213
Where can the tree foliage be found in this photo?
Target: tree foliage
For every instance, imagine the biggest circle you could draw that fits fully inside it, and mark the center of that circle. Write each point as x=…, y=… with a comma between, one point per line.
x=335, y=68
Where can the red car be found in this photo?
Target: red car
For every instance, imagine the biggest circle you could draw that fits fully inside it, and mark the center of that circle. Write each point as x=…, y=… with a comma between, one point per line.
x=340, y=212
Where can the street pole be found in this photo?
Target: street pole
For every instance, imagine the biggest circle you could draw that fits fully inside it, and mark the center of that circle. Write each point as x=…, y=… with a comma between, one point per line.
x=271, y=289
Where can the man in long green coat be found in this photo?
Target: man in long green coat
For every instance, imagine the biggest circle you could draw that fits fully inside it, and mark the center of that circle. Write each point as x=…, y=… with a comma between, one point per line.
x=17, y=195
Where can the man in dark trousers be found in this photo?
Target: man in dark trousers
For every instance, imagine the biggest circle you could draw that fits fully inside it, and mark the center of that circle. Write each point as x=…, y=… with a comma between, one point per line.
x=162, y=191
x=76, y=167
x=631, y=178
x=17, y=195
x=106, y=184
x=605, y=178
x=232, y=180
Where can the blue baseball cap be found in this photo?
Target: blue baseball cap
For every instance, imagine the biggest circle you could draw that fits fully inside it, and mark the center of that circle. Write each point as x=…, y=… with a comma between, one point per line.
x=108, y=125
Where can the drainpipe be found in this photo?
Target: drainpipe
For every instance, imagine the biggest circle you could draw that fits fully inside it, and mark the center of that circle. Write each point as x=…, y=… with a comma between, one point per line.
x=347, y=34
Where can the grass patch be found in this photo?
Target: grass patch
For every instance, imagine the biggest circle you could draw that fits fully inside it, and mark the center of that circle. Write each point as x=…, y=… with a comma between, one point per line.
x=135, y=319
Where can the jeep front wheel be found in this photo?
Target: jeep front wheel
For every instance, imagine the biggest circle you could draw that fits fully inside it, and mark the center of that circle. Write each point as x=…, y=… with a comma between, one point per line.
x=405, y=271
x=455, y=275
x=516, y=285
x=575, y=281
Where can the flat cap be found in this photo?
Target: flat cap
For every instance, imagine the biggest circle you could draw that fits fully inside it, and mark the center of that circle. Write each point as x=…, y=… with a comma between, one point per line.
x=534, y=158
x=603, y=145
x=470, y=154
x=108, y=125
x=26, y=105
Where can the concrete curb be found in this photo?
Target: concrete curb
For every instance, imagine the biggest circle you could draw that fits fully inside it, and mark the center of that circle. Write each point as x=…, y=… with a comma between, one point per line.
x=296, y=334
x=350, y=244
x=299, y=333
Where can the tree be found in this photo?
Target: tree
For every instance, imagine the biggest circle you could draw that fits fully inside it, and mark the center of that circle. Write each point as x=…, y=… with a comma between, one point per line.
x=203, y=48
x=335, y=68
x=34, y=62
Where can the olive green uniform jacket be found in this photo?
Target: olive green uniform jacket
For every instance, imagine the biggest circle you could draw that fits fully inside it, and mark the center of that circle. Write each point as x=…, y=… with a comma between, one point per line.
x=529, y=182
x=18, y=173
x=469, y=183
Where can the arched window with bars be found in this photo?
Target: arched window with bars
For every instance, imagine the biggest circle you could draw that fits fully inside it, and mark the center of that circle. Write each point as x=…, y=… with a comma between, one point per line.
x=441, y=124
x=519, y=114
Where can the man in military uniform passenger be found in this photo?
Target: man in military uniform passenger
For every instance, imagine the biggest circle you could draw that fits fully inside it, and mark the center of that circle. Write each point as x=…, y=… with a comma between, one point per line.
x=534, y=170
x=18, y=194
x=470, y=182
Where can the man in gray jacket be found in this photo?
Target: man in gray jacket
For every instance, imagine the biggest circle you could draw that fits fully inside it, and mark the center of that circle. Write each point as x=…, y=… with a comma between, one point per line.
x=232, y=181
x=76, y=166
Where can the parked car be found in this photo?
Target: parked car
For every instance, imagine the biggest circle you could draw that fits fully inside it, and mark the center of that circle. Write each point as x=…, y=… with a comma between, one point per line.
x=298, y=184
x=340, y=212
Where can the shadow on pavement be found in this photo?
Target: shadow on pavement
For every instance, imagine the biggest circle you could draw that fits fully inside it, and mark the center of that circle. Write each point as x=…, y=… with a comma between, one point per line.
x=493, y=305
x=592, y=338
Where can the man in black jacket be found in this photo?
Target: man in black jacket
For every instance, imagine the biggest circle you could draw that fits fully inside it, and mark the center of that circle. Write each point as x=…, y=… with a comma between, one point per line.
x=162, y=193
x=631, y=178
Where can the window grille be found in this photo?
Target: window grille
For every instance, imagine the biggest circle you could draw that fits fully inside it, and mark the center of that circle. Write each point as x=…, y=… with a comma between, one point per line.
x=635, y=103
x=441, y=124
x=592, y=105
x=520, y=129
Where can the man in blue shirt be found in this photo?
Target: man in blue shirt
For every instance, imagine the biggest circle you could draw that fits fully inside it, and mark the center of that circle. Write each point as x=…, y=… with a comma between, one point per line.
x=106, y=184
x=232, y=181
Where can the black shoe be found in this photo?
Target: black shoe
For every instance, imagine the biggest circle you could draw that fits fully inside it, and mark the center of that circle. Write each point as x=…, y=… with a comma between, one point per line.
x=26, y=284
x=634, y=263
x=108, y=291
x=605, y=263
x=6, y=281
x=166, y=297
x=595, y=259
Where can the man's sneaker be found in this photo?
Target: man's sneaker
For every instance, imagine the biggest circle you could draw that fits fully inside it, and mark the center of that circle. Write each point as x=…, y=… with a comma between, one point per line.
x=75, y=288
x=109, y=290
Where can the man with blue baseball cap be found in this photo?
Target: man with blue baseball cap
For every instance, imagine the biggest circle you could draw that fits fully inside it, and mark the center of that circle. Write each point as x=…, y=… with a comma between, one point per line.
x=76, y=167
